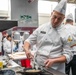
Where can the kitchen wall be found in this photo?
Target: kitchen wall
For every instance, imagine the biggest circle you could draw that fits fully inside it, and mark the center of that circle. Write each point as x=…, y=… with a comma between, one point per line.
x=43, y=18
x=23, y=8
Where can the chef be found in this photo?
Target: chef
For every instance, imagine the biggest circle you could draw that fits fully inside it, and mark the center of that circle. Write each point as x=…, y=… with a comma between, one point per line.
x=8, y=45
x=52, y=48
x=0, y=42
x=72, y=29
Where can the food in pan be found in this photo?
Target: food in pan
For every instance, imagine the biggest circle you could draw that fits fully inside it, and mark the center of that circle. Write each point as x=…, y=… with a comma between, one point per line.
x=33, y=70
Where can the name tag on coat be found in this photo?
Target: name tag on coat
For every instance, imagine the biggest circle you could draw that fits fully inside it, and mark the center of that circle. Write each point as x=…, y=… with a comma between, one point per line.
x=43, y=32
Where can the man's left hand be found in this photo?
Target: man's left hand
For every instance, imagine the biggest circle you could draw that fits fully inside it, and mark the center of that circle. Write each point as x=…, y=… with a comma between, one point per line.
x=49, y=62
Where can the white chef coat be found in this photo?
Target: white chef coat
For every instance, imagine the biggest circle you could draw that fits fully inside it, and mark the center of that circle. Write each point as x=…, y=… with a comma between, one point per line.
x=8, y=45
x=4, y=40
x=49, y=45
x=0, y=41
x=72, y=30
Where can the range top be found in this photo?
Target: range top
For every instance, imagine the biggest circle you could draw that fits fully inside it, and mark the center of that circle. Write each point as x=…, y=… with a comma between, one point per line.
x=45, y=72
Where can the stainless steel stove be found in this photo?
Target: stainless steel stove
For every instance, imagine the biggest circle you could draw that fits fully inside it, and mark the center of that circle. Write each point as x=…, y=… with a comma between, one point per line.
x=47, y=72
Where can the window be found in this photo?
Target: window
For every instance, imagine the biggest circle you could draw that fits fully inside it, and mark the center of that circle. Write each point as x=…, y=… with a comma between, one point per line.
x=46, y=7
x=4, y=8
x=44, y=10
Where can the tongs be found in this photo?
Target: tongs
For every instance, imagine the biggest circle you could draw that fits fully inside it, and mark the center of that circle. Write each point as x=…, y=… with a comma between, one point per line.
x=34, y=63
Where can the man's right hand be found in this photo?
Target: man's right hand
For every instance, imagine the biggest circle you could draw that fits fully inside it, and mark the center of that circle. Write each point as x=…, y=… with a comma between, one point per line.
x=28, y=54
x=26, y=48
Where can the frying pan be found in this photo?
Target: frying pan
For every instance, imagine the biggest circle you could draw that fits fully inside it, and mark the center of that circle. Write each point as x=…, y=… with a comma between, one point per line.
x=35, y=72
x=30, y=72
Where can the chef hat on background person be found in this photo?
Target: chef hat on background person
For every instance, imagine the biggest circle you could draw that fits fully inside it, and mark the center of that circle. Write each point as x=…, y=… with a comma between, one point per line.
x=70, y=16
x=61, y=7
x=16, y=36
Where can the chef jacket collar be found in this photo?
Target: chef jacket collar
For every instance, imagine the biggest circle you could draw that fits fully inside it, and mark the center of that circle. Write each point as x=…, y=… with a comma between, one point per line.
x=59, y=27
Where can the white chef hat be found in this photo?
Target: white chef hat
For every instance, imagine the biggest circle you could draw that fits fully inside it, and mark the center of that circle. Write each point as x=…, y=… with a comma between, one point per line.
x=61, y=7
x=70, y=16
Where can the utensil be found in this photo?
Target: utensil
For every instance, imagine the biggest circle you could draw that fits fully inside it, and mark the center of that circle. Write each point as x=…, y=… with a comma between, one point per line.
x=44, y=69
x=47, y=71
x=34, y=63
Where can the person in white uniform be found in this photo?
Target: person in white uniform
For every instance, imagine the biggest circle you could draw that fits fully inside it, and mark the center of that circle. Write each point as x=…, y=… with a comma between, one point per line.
x=52, y=47
x=0, y=43
x=72, y=29
x=4, y=39
x=7, y=45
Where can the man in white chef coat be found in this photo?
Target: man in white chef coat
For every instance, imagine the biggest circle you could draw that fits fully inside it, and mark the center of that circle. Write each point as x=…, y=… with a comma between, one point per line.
x=7, y=45
x=72, y=29
x=0, y=42
x=51, y=41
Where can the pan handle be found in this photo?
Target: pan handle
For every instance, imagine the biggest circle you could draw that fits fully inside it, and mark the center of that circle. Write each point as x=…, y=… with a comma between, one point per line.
x=20, y=72
x=47, y=71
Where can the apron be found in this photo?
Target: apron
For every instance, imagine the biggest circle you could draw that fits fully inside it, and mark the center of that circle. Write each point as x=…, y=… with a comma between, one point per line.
x=40, y=58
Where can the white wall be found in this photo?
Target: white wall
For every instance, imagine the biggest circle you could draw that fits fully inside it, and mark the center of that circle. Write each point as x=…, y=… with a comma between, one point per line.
x=22, y=7
x=44, y=10
x=43, y=18
x=46, y=7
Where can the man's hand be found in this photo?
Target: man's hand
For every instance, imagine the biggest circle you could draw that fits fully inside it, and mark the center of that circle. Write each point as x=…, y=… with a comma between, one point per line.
x=49, y=62
x=28, y=54
x=26, y=48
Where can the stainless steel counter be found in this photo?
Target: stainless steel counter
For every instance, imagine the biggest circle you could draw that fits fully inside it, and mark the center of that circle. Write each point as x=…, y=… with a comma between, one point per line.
x=55, y=72
x=51, y=72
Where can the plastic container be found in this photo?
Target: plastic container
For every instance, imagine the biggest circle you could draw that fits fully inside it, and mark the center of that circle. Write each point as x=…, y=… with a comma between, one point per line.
x=25, y=63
